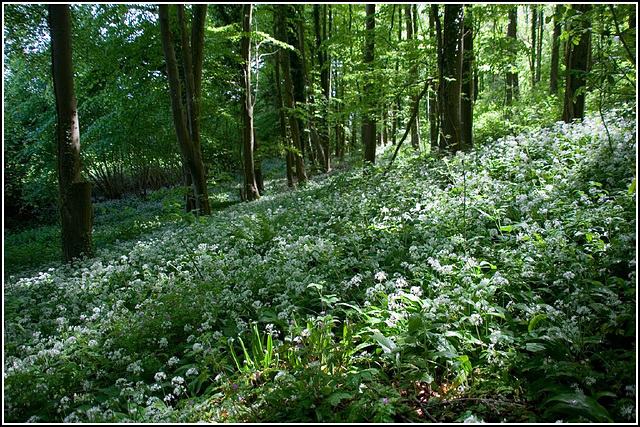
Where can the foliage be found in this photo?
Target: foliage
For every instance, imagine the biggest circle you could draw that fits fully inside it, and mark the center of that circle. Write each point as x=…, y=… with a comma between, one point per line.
x=496, y=285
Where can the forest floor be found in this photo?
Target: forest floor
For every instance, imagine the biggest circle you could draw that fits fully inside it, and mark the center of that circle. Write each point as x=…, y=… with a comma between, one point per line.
x=495, y=285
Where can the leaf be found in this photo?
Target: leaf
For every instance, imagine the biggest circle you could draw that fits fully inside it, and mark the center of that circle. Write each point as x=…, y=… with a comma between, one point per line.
x=579, y=404
x=315, y=285
x=387, y=345
x=337, y=396
x=534, y=346
x=506, y=228
x=535, y=320
x=632, y=187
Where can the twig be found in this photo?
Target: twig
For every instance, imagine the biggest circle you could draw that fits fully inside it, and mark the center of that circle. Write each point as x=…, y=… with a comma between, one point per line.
x=619, y=34
x=424, y=410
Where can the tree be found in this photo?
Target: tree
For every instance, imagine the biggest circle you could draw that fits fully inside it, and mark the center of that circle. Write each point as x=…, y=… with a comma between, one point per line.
x=577, y=65
x=325, y=82
x=369, y=123
x=452, y=77
x=534, y=44
x=187, y=131
x=413, y=75
x=308, y=94
x=512, y=73
x=76, y=211
x=250, y=186
x=555, y=53
x=301, y=173
x=435, y=102
x=468, y=84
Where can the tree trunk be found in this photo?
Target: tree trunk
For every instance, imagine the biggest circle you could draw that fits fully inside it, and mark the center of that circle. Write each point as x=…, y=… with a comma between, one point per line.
x=577, y=64
x=435, y=100
x=452, y=77
x=413, y=76
x=468, y=88
x=534, y=44
x=512, y=78
x=283, y=121
x=184, y=126
x=320, y=32
x=555, y=54
x=250, y=185
x=301, y=173
x=539, y=47
x=308, y=94
x=368, y=122
x=76, y=211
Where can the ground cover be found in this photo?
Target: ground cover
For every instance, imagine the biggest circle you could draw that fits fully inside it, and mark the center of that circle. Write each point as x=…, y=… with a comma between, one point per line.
x=496, y=285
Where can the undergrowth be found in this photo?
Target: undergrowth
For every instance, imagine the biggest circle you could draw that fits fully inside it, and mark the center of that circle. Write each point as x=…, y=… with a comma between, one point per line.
x=496, y=285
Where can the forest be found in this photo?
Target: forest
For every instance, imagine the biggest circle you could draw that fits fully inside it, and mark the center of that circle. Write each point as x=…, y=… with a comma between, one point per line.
x=314, y=213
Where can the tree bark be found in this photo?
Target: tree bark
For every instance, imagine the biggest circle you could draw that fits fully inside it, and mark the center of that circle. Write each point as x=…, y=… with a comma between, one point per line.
x=368, y=122
x=452, y=77
x=250, y=186
x=435, y=101
x=539, y=47
x=577, y=65
x=468, y=87
x=283, y=121
x=320, y=33
x=534, y=44
x=308, y=94
x=184, y=126
x=512, y=78
x=301, y=173
x=555, y=54
x=76, y=211
x=413, y=76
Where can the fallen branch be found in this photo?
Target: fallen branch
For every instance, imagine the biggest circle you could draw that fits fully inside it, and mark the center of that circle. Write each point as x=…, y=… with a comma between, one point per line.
x=414, y=113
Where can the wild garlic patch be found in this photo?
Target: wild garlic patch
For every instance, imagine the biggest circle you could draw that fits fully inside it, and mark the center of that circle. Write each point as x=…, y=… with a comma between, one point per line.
x=508, y=271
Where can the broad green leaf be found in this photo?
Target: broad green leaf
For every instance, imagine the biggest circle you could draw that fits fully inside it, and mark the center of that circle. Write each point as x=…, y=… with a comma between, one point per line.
x=579, y=404
x=387, y=345
x=535, y=320
x=337, y=396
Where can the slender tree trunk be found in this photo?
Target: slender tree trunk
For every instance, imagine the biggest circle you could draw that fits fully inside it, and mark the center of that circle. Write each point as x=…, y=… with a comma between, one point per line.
x=308, y=93
x=577, y=64
x=540, y=37
x=435, y=106
x=534, y=44
x=369, y=123
x=301, y=173
x=452, y=77
x=468, y=87
x=283, y=121
x=192, y=78
x=250, y=185
x=555, y=54
x=320, y=32
x=290, y=35
x=413, y=76
x=512, y=77
x=76, y=211
x=192, y=158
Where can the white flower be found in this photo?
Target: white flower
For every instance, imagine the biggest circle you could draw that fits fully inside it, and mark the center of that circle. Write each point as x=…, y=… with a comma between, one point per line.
x=380, y=276
x=177, y=380
x=476, y=319
x=172, y=361
x=159, y=376
x=192, y=371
